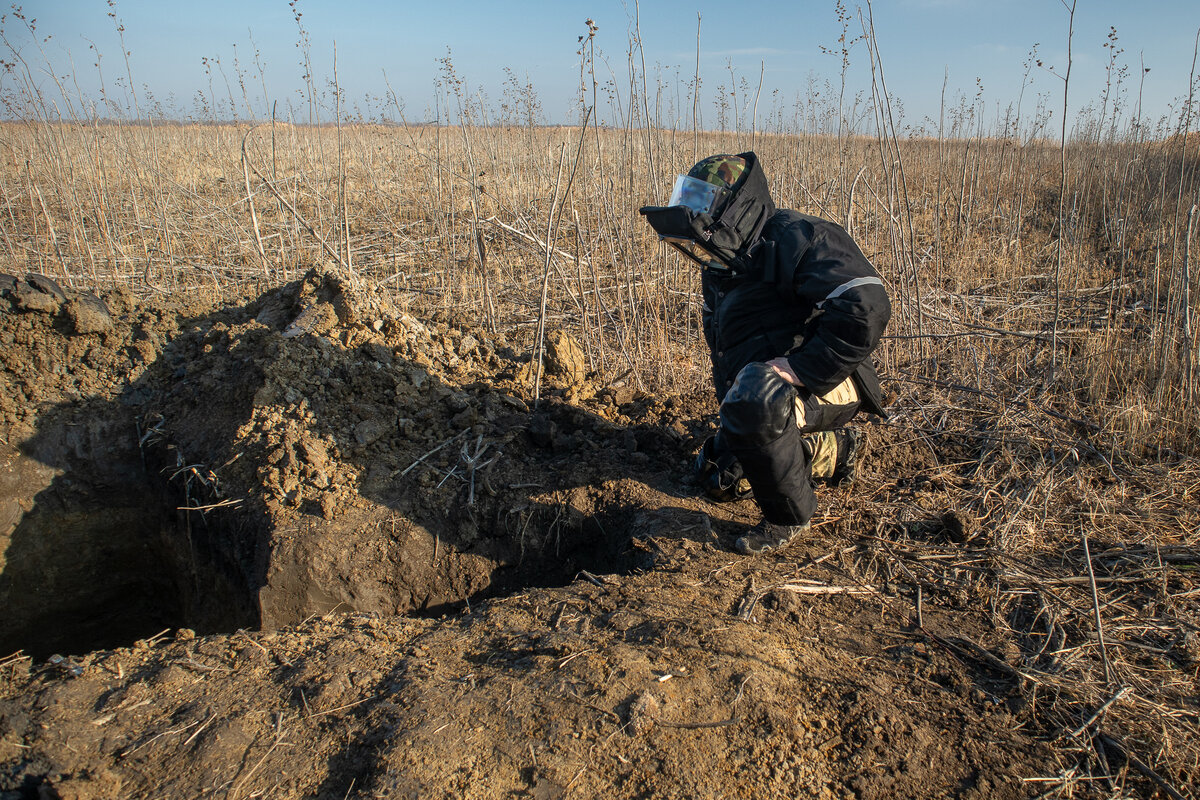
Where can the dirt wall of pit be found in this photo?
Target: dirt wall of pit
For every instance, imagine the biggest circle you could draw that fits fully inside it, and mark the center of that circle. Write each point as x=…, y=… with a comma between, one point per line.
x=92, y=550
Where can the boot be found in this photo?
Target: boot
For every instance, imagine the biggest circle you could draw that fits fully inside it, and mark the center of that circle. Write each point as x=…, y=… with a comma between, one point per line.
x=767, y=536
x=849, y=442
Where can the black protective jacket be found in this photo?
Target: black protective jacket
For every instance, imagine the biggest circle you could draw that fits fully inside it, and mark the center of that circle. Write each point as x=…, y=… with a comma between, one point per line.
x=800, y=287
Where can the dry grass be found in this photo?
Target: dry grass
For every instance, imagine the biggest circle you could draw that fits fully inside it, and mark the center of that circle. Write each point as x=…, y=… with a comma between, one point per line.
x=1053, y=430
x=969, y=249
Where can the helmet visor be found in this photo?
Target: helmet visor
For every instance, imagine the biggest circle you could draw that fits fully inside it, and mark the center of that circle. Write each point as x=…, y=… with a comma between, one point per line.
x=694, y=252
x=691, y=248
x=699, y=196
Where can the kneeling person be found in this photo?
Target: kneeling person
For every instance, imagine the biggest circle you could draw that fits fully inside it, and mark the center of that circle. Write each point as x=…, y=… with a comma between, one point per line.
x=792, y=312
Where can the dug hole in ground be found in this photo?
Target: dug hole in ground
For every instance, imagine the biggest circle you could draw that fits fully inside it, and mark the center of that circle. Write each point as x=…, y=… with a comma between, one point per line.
x=305, y=544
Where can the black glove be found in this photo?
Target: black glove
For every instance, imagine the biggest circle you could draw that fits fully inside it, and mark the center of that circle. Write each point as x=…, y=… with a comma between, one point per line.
x=719, y=473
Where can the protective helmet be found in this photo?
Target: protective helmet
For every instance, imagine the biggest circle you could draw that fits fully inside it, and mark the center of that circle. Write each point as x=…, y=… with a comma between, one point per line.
x=716, y=212
x=708, y=184
x=723, y=170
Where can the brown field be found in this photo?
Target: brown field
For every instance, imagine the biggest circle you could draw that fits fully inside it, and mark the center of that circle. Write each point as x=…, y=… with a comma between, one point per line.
x=968, y=233
x=1004, y=605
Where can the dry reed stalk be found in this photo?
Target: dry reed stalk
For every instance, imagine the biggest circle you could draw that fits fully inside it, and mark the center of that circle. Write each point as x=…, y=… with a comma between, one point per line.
x=539, y=349
x=250, y=201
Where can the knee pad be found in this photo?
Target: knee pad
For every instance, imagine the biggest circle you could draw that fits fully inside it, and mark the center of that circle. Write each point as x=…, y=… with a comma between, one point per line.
x=758, y=408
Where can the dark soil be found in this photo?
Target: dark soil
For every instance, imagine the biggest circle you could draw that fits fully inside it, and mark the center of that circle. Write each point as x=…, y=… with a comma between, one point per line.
x=309, y=545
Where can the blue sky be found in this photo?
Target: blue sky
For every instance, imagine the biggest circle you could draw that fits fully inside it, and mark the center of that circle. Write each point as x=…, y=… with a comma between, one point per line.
x=923, y=43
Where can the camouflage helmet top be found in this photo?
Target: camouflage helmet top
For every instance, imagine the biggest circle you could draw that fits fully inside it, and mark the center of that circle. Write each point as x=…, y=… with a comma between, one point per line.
x=720, y=170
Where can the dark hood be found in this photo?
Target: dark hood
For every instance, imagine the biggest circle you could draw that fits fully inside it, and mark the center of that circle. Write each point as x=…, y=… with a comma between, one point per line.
x=738, y=225
x=733, y=231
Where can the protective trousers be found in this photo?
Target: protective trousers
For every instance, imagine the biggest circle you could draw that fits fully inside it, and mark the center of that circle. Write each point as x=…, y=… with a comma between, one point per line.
x=765, y=422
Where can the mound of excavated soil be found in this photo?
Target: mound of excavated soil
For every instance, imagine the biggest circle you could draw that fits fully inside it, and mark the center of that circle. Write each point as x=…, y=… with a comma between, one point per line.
x=309, y=479
x=373, y=462
x=327, y=452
